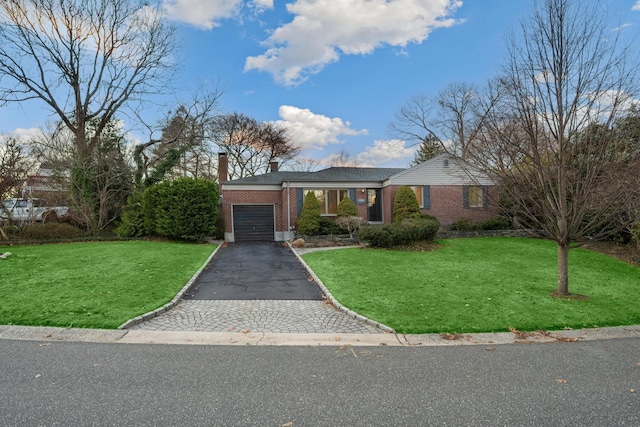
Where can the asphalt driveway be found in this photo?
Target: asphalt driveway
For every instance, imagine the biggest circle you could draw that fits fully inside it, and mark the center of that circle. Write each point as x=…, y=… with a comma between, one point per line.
x=254, y=271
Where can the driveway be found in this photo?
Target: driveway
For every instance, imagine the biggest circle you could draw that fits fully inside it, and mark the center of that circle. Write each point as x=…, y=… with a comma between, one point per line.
x=255, y=271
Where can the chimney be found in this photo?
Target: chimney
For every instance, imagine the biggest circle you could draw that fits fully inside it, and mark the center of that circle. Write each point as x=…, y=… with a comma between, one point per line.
x=223, y=167
x=273, y=166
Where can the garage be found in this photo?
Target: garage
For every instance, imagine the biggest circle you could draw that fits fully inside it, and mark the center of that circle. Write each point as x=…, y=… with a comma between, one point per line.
x=253, y=222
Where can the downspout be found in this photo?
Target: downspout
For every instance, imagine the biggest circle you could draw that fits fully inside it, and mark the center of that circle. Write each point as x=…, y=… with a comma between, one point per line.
x=288, y=211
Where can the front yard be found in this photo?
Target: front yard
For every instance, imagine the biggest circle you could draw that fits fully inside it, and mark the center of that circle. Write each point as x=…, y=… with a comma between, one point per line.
x=93, y=285
x=480, y=285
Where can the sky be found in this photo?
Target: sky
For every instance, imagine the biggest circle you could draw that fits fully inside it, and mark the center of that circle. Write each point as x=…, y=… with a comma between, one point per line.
x=334, y=72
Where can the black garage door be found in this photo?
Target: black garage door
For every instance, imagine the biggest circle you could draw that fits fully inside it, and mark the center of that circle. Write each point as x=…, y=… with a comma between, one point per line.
x=253, y=222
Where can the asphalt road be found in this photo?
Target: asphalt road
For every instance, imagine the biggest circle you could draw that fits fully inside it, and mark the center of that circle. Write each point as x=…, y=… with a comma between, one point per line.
x=71, y=383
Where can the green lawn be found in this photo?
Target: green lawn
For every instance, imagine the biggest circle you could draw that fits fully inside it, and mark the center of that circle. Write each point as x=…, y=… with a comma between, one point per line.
x=93, y=285
x=480, y=285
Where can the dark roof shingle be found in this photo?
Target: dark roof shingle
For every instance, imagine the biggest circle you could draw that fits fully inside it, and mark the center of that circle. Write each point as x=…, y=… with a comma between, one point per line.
x=333, y=174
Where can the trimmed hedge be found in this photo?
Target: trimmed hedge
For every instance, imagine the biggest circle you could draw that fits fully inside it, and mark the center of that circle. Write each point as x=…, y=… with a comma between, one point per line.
x=404, y=233
x=184, y=208
x=497, y=223
x=49, y=231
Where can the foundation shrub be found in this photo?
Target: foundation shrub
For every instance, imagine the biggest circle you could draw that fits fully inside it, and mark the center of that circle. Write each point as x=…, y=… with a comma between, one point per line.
x=309, y=221
x=404, y=233
x=497, y=223
x=405, y=205
x=346, y=207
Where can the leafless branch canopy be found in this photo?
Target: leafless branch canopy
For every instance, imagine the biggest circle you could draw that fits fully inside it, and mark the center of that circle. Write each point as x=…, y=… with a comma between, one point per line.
x=84, y=58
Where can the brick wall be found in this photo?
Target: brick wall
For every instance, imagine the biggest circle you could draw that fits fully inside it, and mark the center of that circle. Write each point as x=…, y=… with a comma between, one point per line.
x=278, y=198
x=446, y=205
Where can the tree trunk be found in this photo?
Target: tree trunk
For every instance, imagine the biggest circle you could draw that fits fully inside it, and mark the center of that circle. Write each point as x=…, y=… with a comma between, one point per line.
x=563, y=269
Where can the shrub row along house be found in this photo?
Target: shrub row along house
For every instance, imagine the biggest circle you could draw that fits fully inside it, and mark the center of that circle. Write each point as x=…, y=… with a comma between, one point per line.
x=266, y=207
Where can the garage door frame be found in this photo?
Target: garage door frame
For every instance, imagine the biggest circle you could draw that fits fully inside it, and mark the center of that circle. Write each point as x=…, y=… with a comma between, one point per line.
x=255, y=223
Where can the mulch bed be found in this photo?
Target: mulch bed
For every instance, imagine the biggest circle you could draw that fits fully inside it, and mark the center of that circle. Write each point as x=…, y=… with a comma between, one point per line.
x=626, y=252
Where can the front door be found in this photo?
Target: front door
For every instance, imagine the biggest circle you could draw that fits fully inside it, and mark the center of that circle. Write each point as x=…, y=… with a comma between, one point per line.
x=374, y=204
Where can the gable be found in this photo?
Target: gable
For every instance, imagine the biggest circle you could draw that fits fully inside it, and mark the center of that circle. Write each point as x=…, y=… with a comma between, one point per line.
x=440, y=170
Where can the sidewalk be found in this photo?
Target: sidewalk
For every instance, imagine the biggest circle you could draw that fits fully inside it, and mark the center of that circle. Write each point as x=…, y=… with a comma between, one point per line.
x=48, y=334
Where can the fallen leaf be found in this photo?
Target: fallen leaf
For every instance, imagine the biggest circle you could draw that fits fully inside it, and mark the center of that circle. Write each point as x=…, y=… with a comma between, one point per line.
x=632, y=391
x=489, y=348
x=341, y=347
x=45, y=344
x=337, y=338
x=383, y=343
x=230, y=328
x=638, y=364
x=561, y=381
x=450, y=337
x=245, y=331
x=289, y=424
x=354, y=353
x=38, y=376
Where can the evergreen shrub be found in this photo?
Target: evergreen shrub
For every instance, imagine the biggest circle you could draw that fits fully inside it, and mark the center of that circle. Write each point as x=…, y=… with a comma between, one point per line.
x=309, y=221
x=400, y=234
x=347, y=207
x=405, y=205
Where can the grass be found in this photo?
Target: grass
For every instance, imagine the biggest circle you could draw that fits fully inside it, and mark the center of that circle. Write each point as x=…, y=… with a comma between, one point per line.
x=480, y=285
x=93, y=285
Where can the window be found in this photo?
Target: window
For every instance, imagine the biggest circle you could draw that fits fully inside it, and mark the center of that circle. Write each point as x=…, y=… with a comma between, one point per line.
x=418, y=192
x=329, y=200
x=475, y=197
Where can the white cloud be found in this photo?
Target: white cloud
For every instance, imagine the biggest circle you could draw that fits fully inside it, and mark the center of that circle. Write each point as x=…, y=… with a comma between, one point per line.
x=384, y=151
x=313, y=131
x=27, y=134
x=206, y=14
x=636, y=6
x=322, y=30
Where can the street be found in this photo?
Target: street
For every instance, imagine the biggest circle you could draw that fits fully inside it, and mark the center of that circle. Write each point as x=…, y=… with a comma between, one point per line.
x=73, y=383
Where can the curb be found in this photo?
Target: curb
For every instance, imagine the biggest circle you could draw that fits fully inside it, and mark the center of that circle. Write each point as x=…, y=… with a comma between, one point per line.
x=335, y=302
x=176, y=299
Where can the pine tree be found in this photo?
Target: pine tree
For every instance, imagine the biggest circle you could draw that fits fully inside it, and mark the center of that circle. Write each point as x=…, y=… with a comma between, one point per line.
x=429, y=148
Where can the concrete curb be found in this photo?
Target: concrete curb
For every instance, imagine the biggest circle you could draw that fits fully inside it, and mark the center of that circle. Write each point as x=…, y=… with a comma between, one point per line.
x=335, y=302
x=488, y=340
x=158, y=311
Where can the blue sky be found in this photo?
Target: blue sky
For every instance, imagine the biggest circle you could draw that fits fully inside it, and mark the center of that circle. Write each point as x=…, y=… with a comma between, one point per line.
x=335, y=71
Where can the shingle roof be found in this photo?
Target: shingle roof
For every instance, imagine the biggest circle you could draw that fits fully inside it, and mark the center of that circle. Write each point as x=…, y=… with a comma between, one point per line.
x=334, y=174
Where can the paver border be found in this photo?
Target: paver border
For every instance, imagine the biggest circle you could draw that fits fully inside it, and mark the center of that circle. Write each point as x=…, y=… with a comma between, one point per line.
x=334, y=301
x=176, y=299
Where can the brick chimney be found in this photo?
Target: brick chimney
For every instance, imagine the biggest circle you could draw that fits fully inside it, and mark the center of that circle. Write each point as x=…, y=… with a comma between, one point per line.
x=273, y=166
x=223, y=168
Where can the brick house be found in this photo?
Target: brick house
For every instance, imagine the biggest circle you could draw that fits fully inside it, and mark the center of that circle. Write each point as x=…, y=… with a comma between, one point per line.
x=266, y=207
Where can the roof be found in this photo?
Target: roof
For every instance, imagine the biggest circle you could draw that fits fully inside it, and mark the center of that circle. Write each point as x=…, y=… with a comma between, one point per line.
x=334, y=174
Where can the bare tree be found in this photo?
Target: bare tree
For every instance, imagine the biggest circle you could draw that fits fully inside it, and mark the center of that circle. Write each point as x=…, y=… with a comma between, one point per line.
x=96, y=191
x=180, y=144
x=86, y=60
x=549, y=141
x=342, y=159
x=452, y=119
x=15, y=164
x=251, y=146
x=304, y=165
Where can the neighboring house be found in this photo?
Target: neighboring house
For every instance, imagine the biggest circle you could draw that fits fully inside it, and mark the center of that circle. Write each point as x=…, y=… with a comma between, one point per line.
x=47, y=186
x=266, y=207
